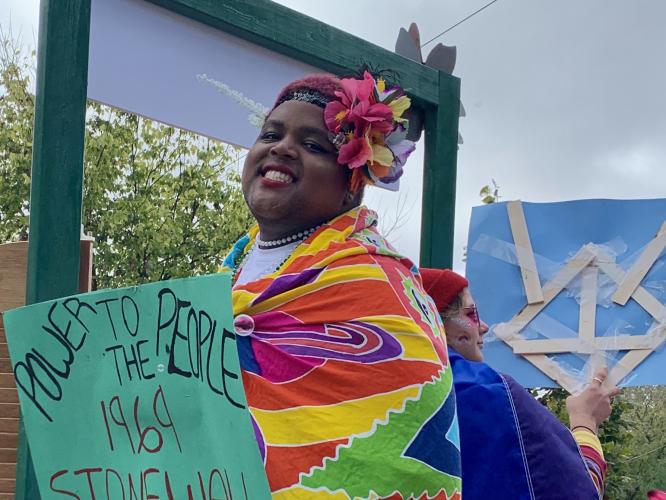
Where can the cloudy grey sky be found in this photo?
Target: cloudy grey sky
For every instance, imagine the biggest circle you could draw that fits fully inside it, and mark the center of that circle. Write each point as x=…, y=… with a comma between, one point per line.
x=565, y=99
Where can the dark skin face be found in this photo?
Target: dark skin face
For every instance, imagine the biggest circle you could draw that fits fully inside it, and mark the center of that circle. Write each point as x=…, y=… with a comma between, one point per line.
x=291, y=179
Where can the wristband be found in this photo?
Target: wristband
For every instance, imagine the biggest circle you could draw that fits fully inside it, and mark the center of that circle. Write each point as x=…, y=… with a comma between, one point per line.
x=583, y=427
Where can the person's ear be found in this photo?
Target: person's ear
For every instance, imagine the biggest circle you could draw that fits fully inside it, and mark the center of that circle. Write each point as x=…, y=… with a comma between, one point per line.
x=349, y=197
x=353, y=198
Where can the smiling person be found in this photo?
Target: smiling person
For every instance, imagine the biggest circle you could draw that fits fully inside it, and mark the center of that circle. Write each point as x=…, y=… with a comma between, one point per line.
x=510, y=443
x=344, y=359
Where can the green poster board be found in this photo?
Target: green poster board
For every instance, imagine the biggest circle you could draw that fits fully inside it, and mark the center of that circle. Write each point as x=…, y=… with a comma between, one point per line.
x=136, y=393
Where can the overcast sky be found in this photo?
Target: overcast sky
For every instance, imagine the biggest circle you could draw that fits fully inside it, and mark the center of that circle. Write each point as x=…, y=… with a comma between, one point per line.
x=565, y=99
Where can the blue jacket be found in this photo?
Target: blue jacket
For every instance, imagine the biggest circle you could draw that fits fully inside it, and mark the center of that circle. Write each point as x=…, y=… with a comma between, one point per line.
x=512, y=447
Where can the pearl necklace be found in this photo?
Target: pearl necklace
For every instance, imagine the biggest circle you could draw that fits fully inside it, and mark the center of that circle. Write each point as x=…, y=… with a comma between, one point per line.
x=259, y=243
x=270, y=269
x=301, y=235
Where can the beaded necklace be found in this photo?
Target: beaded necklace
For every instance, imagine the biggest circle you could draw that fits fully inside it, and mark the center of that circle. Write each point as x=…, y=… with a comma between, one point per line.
x=301, y=235
x=259, y=243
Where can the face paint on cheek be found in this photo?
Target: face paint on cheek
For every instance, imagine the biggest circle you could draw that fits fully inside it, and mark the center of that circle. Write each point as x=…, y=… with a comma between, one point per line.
x=473, y=316
x=464, y=324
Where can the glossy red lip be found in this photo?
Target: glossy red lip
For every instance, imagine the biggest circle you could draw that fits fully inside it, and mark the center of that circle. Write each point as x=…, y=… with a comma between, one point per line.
x=278, y=168
x=274, y=184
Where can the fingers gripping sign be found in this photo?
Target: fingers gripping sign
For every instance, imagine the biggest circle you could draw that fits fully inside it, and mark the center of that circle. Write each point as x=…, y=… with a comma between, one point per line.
x=593, y=405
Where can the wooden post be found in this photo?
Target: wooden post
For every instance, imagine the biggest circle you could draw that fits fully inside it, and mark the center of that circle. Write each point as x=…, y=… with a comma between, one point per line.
x=13, y=271
x=57, y=170
x=13, y=265
x=439, y=175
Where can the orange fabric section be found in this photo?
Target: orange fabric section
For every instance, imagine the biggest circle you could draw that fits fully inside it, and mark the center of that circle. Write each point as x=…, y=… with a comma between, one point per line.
x=340, y=383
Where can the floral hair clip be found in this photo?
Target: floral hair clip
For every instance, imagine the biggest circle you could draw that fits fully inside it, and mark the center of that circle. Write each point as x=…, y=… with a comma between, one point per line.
x=367, y=128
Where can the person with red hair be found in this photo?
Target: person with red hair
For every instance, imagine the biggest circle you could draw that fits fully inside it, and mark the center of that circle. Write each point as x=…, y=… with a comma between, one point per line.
x=344, y=362
x=534, y=455
x=464, y=328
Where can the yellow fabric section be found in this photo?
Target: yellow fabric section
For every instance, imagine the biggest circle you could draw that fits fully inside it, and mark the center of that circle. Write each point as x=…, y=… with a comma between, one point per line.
x=297, y=493
x=326, y=278
x=585, y=437
x=414, y=342
x=317, y=246
x=325, y=238
x=303, y=425
x=241, y=299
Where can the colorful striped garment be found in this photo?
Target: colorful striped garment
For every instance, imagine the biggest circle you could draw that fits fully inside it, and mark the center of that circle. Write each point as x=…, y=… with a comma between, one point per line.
x=593, y=455
x=346, y=371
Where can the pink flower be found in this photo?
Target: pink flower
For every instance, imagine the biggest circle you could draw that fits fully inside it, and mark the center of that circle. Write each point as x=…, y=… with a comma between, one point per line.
x=367, y=132
x=355, y=153
x=354, y=90
x=378, y=117
x=334, y=114
x=357, y=111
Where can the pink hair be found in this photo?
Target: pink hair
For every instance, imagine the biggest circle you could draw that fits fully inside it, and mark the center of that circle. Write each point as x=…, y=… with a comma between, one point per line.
x=322, y=83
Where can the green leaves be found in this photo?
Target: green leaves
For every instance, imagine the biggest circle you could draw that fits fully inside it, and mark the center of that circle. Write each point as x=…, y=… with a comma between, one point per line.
x=16, y=117
x=633, y=439
x=161, y=202
x=489, y=194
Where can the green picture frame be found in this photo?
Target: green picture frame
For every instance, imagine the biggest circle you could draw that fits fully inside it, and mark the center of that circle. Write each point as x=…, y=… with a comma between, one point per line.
x=60, y=106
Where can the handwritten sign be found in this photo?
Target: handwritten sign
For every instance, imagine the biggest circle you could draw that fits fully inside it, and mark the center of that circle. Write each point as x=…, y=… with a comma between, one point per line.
x=136, y=393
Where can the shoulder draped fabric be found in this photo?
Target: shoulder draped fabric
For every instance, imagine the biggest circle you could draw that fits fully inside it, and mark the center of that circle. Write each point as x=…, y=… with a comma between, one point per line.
x=511, y=444
x=346, y=371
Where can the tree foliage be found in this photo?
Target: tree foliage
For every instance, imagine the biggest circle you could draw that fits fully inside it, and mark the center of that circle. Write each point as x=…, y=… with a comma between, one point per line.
x=160, y=202
x=16, y=117
x=633, y=439
x=638, y=461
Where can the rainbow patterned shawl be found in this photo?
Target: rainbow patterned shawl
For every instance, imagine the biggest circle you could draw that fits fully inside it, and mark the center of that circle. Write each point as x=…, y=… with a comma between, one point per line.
x=346, y=372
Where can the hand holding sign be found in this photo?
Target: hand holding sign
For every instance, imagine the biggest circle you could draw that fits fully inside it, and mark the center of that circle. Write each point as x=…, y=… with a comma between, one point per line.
x=136, y=393
x=592, y=406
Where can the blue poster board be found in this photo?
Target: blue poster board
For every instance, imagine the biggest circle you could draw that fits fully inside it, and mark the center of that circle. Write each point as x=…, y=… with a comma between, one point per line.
x=617, y=229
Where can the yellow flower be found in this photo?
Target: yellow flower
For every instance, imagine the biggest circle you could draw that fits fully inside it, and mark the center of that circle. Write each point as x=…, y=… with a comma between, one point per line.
x=381, y=85
x=399, y=106
x=382, y=155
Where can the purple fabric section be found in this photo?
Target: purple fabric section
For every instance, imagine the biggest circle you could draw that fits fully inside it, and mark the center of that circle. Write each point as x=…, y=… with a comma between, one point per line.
x=493, y=463
x=512, y=447
x=371, y=343
x=260, y=438
x=277, y=366
x=556, y=466
x=288, y=281
x=273, y=321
